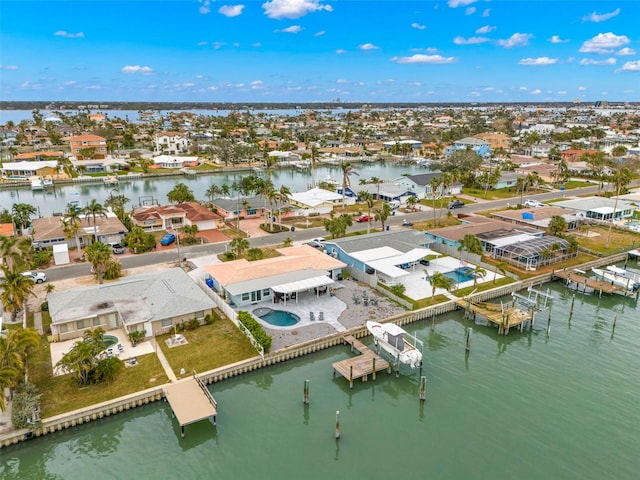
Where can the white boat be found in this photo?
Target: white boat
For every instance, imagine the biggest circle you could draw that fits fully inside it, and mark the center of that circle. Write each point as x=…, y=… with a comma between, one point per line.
x=395, y=341
x=629, y=284
x=36, y=184
x=110, y=180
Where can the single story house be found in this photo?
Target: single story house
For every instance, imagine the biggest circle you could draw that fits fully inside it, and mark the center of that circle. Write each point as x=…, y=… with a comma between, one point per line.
x=297, y=269
x=43, y=155
x=152, y=303
x=154, y=217
x=26, y=169
x=48, y=231
x=539, y=217
x=244, y=207
x=599, y=208
x=387, y=191
x=173, y=161
x=420, y=185
x=317, y=201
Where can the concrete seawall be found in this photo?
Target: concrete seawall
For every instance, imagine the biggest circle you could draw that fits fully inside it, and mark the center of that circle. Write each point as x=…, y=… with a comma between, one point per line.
x=120, y=404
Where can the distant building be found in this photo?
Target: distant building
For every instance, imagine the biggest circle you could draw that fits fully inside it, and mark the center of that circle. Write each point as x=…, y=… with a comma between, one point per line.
x=481, y=147
x=152, y=218
x=27, y=169
x=172, y=143
x=48, y=231
x=81, y=143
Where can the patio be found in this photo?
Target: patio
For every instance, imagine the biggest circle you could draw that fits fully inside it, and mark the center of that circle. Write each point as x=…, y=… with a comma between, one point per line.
x=58, y=349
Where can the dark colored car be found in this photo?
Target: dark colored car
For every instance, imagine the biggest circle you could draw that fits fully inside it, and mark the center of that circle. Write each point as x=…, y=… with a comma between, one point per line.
x=456, y=204
x=168, y=239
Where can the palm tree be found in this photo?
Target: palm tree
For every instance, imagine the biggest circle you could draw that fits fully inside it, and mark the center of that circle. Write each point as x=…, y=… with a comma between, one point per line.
x=212, y=192
x=411, y=202
x=283, y=196
x=14, y=251
x=8, y=377
x=377, y=181
x=435, y=184
x=621, y=179
x=99, y=255
x=439, y=280
x=71, y=225
x=383, y=213
x=478, y=273
x=94, y=209
x=16, y=288
x=500, y=267
x=471, y=244
x=15, y=349
x=347, y=171
x=239, y=245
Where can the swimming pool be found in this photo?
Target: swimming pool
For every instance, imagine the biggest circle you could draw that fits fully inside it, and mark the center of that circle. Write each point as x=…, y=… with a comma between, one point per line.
x=278, y=318
x=109, y=341
x=462, y=274
x=633, y=225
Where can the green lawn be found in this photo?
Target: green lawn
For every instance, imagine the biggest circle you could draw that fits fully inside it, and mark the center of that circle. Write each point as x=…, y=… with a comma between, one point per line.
x=618, y=240
x=209, y=347
x=481, y=287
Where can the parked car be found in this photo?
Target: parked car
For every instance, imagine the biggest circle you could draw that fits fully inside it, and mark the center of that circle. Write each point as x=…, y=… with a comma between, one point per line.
x=455, y=204
x=168, y=239
x=363, y=218
x=424, y=262
x=37, y=277
x=117, y=248
x=406, y=223
x=315, y=244
x=533, y=203
x=394, y=204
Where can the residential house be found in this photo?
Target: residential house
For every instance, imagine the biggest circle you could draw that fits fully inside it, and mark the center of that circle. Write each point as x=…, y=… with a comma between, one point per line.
x=243, y=207
x=154, y=217
x=548, y=172
x=538, y=217
x=81, y=143
x=298, y=269
x=420, y=185
x=506, y=180
x=152, y=303
x=599, y=208
x=27, y=169
x=540, y=150
x=48, y=231
x=41, y=155
x=575, y=155
x=173, y=161
x=172, y=143
x=495, y=140
x=481, y=147
x=386, y=191
x=317, y=201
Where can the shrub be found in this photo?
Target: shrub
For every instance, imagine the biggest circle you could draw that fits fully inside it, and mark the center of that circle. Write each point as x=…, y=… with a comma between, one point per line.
x=25, y=407
x=44, y=306
x=256, y=330
x=136, y=337
x=41, y=258
x=208, y=319
x=228, y=256
x=192, y=324
x=189, y=240
x=398, y=289
x=113, y=270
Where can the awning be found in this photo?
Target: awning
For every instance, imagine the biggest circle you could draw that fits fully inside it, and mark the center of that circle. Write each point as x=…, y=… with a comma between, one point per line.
x=302, y=285
x=389, y=266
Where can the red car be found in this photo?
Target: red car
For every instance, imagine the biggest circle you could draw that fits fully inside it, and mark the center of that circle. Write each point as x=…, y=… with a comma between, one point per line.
x=363, y=218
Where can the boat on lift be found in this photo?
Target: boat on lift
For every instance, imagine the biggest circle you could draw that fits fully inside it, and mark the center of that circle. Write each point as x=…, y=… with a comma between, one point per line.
x=395, y=341
x=618, y=276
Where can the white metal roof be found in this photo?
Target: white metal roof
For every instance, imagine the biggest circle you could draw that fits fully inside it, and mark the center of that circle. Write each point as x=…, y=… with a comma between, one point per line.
x=603, y=210
x=502, y=241
x=388, y=266
x=302, y=285
x=372, y=254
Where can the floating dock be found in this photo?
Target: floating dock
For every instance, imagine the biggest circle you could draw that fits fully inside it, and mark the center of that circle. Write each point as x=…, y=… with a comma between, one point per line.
x=365, y=364
x=505, y=316
x=579, y=278
x=191, y=401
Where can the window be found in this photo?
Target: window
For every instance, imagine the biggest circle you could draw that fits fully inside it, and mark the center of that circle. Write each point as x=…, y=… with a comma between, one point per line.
x=80, y=324
x=245, y=297
x=167, y=322
x=63, y=328
x=266, y=292
x=96, y=322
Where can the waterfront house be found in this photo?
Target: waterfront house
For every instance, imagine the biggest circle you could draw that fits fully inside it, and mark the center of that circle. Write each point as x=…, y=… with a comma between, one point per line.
x=599, y=208
x=420, y=185
x=173, y=161
x=152, y=303
x=317, y=201
x=40, y=155
x=154, y=217
x=48, y=231
x=539, y=217
x=26, y=169
x=82, y=145
x=481, y=147
x=171, y=142
x=243, y=207
x=298, y=269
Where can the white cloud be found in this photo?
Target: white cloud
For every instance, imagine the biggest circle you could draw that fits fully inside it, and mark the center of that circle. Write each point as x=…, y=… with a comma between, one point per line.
x=590, y=61
x=231, y=10
x=185, y=85
x=257, y=44
x=368, y=46
x=523, y=89
x=557, y=39
x=538, y=61
x=200, y=77
x=70, y=83
x=470, y=40
x=516, y=40
x=414, y=84
x=256, y=83
x=470, y=11
x=8, y=67
x=62, y=33
x=631, y=66
x=460, y=3
x=433, y=59
x=626, y=51
x=293, y=8
x=604, y=43
x=596, y=18
x=342, y=80
x=486, y=29
x=218, y=45
x=340, y=51
x=582, y=89
x=202, y=44
x=291, y=29
x=205, y=6
x=320, y=33
x=537, y=91
x=417, y=26
x=486, y=13
x=212, y=88
x=137, y=69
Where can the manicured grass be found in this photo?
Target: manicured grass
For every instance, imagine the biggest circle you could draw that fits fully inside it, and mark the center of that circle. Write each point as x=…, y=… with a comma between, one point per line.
x=308, y=222
x=61, y=394
x=442, y=202
x=209, y=347
x=577, y=184
x=481, y=287
x=620, y=240
x=445, y=221
x=571, y=262
x=428, y=302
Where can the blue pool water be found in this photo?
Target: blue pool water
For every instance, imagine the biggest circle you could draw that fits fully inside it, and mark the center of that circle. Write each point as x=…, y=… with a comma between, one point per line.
x=278, y=318
x=461, y=274
x=109, y=341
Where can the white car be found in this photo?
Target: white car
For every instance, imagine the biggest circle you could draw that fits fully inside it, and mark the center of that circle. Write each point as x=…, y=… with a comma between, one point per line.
x=533, y=203
x=37, y=277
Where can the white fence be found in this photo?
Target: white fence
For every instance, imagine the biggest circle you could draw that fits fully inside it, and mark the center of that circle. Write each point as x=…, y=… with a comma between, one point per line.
x=230, y=313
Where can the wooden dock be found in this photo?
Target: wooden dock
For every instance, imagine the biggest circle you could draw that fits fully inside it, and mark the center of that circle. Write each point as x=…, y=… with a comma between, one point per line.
x=504, y=316
x=571, y=276
x=191, y=401
x=365, y=364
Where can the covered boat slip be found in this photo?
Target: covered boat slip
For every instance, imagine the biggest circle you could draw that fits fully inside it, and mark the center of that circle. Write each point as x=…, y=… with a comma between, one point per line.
x=191, y=401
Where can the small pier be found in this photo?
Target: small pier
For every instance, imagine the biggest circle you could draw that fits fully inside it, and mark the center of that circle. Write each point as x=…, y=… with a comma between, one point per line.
x=579, y=278
x=365, y=364
x=505, y=316
x=191, y=401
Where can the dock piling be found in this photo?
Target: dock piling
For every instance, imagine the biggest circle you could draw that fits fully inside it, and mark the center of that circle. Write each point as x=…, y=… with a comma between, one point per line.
x=305, y=398
x=337, y=424
x=423, y=385
x=468, y=342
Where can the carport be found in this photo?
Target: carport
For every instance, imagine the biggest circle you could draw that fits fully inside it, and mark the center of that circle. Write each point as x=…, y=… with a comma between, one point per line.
x=319, y=283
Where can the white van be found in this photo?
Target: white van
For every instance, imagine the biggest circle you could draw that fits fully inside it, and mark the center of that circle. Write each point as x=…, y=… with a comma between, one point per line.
x=394, y=204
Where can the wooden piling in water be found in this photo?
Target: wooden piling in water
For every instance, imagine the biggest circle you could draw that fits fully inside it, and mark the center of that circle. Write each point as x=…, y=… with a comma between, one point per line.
x=305, y=398
x=423, y=385
x=337, y=424
x=468, y=343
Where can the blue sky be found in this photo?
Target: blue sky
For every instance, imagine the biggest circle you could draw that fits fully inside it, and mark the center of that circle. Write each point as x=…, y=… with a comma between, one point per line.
x=316, y=50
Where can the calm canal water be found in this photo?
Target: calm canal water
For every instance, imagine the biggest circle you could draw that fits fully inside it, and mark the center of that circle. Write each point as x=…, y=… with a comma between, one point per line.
x=142, y=191
x=536, y=405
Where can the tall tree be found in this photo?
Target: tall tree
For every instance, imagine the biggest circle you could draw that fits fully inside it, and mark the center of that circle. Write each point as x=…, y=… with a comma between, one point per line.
x=347, y=170
x=99, y=256
x=72, y=224
x=439, y=280
x=22, y=213
x=181, y=193
x=620, y=179
x=14, y=251
x=15, y=288
x=93, y=210
x=382, y=213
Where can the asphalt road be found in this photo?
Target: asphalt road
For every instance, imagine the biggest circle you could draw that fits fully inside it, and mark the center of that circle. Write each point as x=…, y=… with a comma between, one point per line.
x=153, y=258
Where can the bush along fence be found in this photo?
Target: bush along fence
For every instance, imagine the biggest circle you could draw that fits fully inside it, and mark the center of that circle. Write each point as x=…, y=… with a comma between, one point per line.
x=120, y=404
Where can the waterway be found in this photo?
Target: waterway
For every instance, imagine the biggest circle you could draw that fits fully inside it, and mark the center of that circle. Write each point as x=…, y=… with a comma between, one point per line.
x=559, y=403
x=144, y=191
